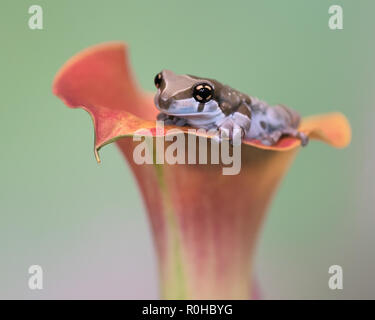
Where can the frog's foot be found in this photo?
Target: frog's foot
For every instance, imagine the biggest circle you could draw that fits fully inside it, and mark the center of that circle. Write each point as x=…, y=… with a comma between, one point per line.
x=273, y=137
x=298, y=135
x=304, y=138
x=165, y=118
x=171, y=120
x=233, y=127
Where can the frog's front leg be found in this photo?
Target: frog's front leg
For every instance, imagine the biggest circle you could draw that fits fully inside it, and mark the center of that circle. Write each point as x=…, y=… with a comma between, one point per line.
x=171, y=120
x=235, y=125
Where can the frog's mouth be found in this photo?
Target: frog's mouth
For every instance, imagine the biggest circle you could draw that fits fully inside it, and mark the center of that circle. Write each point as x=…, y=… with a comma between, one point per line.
x=189, y=108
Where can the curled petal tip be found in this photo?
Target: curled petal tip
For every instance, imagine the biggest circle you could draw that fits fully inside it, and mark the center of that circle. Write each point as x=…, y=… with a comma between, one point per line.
x=100, y=76
x=331, y=128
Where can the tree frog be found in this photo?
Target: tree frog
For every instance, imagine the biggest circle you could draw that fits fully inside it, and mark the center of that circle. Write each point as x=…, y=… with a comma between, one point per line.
x=207, y=103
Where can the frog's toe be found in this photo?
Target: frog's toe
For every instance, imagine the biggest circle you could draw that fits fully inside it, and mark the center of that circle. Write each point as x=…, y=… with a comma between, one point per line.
x=237, y=136
x=232, y=132
x=168, y=120
x=269, y=142
x=274, y=137
x=225, y=133
x=161, y=116
x=217, y=138
x=297, y=134
x=180, y=122
x=303, y=137
x=270, y=139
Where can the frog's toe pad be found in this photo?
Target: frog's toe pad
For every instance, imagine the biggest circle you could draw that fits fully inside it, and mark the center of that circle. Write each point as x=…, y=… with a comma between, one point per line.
x=304, y=138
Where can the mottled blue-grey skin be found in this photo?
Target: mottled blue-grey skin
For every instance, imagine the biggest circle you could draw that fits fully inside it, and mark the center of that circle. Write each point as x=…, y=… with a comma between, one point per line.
x=227, y=109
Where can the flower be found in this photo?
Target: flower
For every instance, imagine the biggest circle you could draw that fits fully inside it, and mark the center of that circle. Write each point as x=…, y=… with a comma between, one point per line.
x=205, y=224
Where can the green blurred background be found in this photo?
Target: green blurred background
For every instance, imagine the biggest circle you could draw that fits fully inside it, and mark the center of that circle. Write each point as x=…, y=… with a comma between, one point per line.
x=85, y=223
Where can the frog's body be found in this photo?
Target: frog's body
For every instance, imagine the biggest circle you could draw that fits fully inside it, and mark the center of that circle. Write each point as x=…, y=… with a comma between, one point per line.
x=206, y=103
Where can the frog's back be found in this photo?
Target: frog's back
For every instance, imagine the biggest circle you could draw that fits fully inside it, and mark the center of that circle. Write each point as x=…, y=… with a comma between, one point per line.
x=267, y=119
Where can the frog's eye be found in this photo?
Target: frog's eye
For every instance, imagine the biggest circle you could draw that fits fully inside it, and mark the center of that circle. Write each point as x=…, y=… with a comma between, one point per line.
x=203, y=92
x=158, y=79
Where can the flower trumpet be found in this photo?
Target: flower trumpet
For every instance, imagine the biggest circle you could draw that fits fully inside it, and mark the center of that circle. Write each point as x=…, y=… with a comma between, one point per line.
x=205, y=224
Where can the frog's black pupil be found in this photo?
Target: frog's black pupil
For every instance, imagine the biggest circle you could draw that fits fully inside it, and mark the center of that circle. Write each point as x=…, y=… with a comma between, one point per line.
x=157, y=80
x=203, y=92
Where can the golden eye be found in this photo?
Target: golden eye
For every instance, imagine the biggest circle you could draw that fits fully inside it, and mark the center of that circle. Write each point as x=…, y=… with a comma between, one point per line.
x=158, y=79
x=203, y=92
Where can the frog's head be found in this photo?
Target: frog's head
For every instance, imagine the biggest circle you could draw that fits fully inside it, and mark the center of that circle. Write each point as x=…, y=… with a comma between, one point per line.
x=184, y=95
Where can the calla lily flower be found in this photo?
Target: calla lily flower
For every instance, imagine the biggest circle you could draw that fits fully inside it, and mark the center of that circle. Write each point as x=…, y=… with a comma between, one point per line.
x=205, y=224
